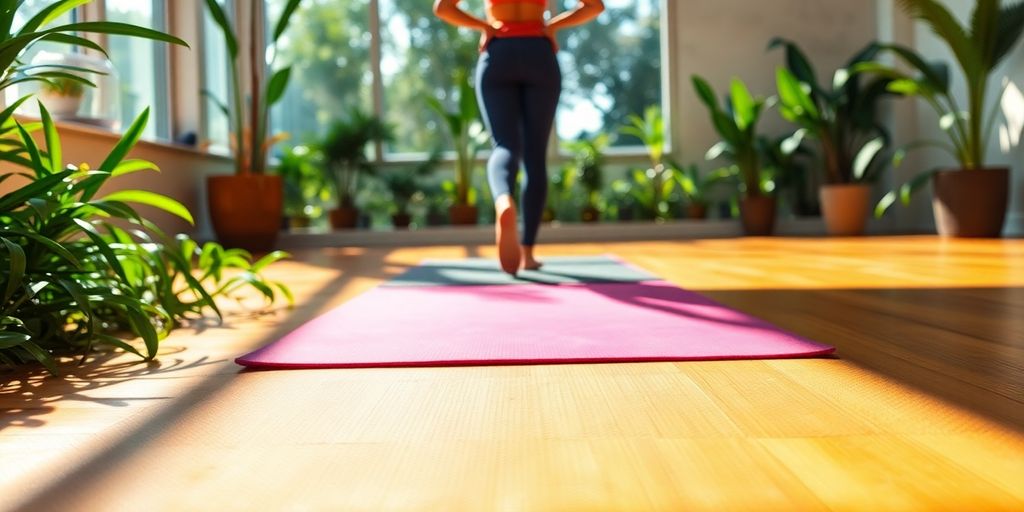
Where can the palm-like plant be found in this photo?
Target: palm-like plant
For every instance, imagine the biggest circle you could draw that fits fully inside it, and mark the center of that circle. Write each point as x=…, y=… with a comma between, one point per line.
x=345, y=148
x=736, y=123
x=251, y=142
x=588, y=163
x=978, y=48
x=655, y=182
x=842, y=117
x=467, y=136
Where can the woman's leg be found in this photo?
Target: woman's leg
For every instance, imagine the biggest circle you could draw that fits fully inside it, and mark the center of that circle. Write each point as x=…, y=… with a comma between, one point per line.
x=540, y=101
x=500, y=101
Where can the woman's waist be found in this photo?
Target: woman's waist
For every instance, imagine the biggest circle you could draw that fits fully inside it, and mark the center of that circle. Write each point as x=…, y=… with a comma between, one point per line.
x=530, y=28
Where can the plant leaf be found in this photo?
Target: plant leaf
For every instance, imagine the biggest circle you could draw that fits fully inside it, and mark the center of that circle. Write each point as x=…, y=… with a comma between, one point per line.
x=152, y=199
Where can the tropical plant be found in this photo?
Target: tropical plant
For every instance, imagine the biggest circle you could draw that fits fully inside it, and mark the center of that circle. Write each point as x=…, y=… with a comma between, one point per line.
x=697, y=188
x=736, y=123
x=66, y=87
x=249, y=114
x=345, y=148
x=405, y=184
x=588, y=163
x=978, y=49
x=306, y=188
x=784, y=159
x=82, y=271
x=842, y=117
x=655, y=182
x=467, y=136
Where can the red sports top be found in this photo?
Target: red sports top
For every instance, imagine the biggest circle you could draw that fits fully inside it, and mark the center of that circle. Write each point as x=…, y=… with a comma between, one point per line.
x=520, y=28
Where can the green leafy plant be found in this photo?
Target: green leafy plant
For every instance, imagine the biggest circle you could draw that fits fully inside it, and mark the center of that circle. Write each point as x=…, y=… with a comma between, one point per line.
x=345, y=148
x=467, y=136
x=784, y=159
x=978, y=48
x=79, y=271
x=588, y=163
x=406, y=184
x=842, y=117
x=653, y=185
x=697, y=188
x=66, y=87
x=306, y=188
x=249, y=113
x=736, y=123
x=82, y=270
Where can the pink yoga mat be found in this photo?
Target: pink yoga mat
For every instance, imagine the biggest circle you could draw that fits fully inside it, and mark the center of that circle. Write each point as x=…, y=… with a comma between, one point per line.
x=528, y=324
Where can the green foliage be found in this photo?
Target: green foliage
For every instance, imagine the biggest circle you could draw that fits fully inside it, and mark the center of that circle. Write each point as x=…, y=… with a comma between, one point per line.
x=345, y=151
x=64, y=86
x=736, y=123
x=250, y=119
x=697, y=188
x=978, y=48
x=405, y=184
x=306, y=187
x=81, y=271
x=588, y=164
x=466, y=133
x=652, y=186
x=78, y=270
x=843, y=117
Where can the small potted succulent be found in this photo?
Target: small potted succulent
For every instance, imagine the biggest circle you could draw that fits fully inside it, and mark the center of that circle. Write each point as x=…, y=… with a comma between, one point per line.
x=62, y=96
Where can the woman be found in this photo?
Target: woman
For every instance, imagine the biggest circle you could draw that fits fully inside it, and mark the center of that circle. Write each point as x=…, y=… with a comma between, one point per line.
x=518, y=84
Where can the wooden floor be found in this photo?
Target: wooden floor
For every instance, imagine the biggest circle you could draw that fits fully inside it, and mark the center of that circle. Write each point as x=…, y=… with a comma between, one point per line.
x=923, y=408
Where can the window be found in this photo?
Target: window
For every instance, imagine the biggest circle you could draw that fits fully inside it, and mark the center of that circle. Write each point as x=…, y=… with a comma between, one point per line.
x=141, y=64
x=420, y=57
x=29, y=9
x=328, y=44
x=611, y=69
x=216, y=81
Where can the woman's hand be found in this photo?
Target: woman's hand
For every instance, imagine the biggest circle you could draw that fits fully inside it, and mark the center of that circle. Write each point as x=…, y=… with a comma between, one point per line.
x=486, y=36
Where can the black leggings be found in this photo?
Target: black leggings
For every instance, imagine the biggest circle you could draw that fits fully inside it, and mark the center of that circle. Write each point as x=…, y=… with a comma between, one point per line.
x=519, y=82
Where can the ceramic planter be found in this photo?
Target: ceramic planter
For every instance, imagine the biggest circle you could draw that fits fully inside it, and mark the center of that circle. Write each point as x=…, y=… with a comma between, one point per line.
x=757, y=214
x=845, y=208
x=463, y=215
x=345, y=217
x=246, y=210
x=971, y=203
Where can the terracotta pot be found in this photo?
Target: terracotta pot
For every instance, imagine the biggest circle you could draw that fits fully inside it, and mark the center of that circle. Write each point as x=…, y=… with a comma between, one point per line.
x=590, y=214
x=463, y=215
x=401, y=220
x=345, y=217
x=757, y=214
x=971, y=203
x=246, y=210
x=696, y=211
x=845, y=208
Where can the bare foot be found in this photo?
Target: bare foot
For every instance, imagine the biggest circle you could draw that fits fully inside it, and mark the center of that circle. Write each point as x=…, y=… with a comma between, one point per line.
x=506, y=235
x=529, y=262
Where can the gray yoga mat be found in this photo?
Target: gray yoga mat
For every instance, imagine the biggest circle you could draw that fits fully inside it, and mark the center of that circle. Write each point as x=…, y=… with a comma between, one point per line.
x=556, y=270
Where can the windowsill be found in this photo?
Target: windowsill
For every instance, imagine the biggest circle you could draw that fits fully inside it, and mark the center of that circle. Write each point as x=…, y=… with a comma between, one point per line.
x=113, y=137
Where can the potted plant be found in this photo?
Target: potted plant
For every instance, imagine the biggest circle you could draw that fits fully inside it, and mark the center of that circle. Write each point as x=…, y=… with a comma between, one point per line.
x=971, y=199
x=247, y=207
x=467, y=136
x=405, y=185
x=344, y=149
x=697, y=188
x=843, y=118
x=736, y=123
x=62, y=96
x=656, y=181
x=305, y=188
x=588, y=162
